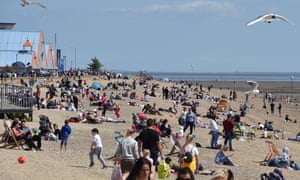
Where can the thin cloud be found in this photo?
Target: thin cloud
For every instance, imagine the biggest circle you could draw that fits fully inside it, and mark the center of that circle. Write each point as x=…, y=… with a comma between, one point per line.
x=207, y=5
x=193, y=6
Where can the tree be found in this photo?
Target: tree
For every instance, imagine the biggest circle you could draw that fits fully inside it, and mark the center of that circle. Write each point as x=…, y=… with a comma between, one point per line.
x=95, y=65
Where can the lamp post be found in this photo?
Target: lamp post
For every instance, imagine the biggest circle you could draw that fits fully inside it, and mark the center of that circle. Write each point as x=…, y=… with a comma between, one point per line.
x=292, y=78
x=75, y=58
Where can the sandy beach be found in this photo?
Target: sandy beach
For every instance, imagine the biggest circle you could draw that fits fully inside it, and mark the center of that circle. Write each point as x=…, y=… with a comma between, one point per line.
x=73, y=164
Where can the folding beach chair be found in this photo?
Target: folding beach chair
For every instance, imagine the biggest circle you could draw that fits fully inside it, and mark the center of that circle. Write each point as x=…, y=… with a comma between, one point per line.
x=175, y=145
x=118, y=136
x=10, y=140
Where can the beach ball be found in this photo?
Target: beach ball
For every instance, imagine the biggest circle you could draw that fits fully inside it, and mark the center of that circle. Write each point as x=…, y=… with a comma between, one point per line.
x=142, y=116
x=22, y=159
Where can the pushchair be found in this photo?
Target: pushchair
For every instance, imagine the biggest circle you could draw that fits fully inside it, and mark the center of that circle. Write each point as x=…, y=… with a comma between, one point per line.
x=45, y=125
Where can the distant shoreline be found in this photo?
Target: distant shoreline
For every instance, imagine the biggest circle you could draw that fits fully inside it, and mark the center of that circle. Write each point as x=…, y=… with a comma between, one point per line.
x=236, y=76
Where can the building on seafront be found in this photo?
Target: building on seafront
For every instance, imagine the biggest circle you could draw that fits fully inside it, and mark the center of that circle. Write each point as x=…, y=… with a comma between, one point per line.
x=27, y=51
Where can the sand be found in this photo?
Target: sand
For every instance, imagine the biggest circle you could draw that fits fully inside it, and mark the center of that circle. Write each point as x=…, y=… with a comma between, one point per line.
x=73, y=164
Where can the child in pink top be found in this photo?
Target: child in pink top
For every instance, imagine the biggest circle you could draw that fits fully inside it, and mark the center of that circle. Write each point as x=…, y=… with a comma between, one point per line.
x=117, y=111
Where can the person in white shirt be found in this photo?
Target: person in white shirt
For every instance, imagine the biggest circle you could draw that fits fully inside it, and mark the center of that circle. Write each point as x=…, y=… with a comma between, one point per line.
x=214, y=132
x=96, y=148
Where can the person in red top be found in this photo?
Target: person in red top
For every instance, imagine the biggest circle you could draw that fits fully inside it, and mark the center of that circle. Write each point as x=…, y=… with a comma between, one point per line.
x=104, y=104
x=228, y=125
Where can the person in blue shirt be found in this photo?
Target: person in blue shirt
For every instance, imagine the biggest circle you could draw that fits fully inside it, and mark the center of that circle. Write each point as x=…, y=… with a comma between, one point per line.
x=190, y=121
x=65, y=133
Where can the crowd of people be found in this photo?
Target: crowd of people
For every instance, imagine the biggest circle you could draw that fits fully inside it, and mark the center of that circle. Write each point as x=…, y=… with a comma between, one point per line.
x=139, y=153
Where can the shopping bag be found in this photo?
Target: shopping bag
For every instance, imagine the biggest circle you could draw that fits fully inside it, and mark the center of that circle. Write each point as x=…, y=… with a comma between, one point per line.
x=164, y=170
x=116, y=173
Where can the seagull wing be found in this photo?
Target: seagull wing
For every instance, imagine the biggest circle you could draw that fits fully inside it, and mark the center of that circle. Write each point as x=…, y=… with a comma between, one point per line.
x=256, y=20
x=278, y=17
x=38, y=4
x=254, y=85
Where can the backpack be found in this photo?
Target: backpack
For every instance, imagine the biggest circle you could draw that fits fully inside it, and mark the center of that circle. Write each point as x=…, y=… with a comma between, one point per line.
x=188, y=157
x=181, y=121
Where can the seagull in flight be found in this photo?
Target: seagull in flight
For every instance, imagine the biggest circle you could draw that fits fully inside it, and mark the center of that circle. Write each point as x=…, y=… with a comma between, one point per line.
x=26, y=3
x=254, y=85
x=268, y=18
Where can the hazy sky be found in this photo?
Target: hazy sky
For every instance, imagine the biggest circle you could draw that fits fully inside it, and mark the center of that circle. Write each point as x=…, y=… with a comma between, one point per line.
x=167, y=35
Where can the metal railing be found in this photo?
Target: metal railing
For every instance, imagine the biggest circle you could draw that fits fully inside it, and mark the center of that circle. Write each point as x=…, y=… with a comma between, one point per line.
x=14, y=97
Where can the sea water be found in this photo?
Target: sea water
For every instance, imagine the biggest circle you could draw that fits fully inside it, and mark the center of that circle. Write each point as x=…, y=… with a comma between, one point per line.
x=227, y=76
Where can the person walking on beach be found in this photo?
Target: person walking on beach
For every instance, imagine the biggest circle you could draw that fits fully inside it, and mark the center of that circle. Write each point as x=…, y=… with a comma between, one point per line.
x=190, y=121
x=175, y=106
x=228, y=125
x=214, y=132
x=149, y=139
x=128, y=152
x=66, y=131
x=272, y=107
x=279, y=109
x=96, y=148
x=38, y=97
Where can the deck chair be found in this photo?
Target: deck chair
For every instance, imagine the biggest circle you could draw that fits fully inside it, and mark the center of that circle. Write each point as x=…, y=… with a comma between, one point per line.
x=10, y=140
x=175, y=145
x=4, y=136
x=273, y=153
x=118, y=136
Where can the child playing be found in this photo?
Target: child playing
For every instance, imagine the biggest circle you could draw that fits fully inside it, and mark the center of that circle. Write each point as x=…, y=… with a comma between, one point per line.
x=117, y=111
x=65, y=133
x=96, y=148
x=147, y=154
x=55, y=135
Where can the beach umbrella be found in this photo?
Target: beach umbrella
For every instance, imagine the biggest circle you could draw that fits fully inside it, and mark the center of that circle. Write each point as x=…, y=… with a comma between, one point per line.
x=96, y=85
x=119, y=75
x=223, y=105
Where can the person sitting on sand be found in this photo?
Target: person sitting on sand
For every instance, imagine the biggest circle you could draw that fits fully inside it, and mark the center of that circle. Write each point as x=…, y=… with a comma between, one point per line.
x=282, y=161
x=184, y=174
x=223, y=157
x=165, y=128
x=29, y=134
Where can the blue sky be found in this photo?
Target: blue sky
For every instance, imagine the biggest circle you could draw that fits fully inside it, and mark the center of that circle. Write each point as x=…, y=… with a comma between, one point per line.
x=167, y=35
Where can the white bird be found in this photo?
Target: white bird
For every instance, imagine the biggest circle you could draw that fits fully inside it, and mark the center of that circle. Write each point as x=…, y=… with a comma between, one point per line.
x=27, y=3
x=268, y=18
x=254, y=85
